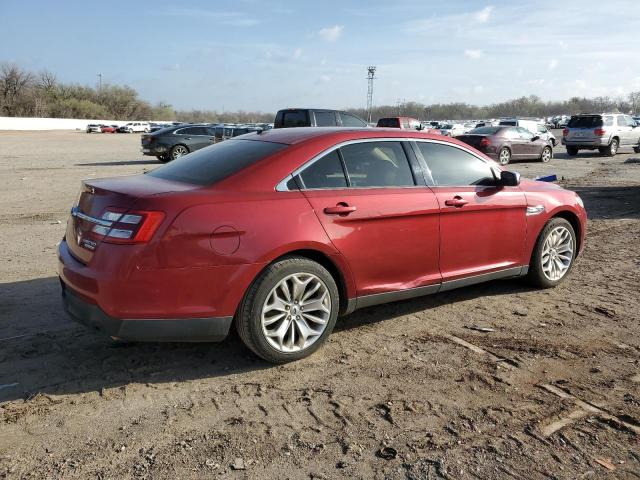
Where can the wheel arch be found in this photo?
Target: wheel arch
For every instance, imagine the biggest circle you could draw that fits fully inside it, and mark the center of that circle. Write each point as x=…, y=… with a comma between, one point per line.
x=573, y=219
x=332, y=267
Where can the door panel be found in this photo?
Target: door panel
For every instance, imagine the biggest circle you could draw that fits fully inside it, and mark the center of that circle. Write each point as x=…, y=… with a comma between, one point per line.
x=390, y=240
x=485, y=234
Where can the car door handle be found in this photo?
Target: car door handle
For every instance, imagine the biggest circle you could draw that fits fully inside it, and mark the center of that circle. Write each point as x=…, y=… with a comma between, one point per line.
x=340, y=209
x=456, y=202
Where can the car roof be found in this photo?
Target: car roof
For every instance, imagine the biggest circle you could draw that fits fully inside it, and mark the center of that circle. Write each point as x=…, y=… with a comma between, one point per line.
x=297, y=135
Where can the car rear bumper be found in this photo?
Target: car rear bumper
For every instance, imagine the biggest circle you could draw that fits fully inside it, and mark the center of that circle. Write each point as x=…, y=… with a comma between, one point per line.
x=212, y=329
x=586, y=143
x=154, y=150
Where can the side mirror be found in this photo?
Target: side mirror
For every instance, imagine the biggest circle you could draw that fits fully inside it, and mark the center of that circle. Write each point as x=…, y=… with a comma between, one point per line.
x=509, y=179
x=535, y=137
x=420, y=127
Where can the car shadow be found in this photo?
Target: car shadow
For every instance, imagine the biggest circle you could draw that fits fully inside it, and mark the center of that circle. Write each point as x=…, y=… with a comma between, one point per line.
x=119, y=163
x=43, y=351
x=611, y=202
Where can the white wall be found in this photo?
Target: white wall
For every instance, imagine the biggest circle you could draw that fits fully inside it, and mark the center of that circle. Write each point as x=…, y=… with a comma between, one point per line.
x=25, y=123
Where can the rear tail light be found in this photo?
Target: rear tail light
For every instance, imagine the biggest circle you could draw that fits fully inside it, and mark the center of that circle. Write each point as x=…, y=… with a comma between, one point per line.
x=131, y=227
x=485, y=142
x=599, y=132
x=565, y=132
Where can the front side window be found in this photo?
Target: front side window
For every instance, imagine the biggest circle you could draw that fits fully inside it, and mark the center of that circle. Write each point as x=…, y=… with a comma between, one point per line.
x=327, y=172
x=349, y=120
x=325, y=119
x=377, y=164
x=452, y=166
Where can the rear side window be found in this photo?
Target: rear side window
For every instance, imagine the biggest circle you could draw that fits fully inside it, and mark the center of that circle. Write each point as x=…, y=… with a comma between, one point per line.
x=327, y=172
x=295, y=118
x=325, y=119
x=389, y=122
x=585, y=121
x=377, y=164
x=212, y=164
x=451, y=166
x=349, y=120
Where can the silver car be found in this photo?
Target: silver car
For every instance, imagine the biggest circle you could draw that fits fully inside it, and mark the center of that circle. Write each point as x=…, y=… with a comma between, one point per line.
x=605, y=132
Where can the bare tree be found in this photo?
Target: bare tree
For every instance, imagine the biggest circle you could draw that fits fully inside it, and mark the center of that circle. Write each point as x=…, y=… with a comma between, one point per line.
x=13, y=83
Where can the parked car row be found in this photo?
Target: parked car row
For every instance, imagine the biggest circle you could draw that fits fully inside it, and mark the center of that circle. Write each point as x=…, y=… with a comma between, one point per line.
x=131, y=127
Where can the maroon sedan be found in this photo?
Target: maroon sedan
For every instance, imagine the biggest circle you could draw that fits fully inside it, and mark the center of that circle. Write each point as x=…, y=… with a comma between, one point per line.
x=280, y=232
x=508, y=143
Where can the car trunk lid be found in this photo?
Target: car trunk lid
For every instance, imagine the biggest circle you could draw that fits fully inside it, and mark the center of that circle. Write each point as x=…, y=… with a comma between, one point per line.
x=119, y=193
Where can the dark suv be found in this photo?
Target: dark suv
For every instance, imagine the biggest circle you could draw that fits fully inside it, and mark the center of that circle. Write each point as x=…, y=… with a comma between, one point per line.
x=316, y=117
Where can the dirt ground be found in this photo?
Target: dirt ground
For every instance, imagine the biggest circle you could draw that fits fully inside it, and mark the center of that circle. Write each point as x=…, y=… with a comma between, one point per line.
x=406, y=390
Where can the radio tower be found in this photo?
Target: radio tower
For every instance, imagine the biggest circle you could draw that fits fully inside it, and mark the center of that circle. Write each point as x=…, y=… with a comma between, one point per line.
x=371, y=76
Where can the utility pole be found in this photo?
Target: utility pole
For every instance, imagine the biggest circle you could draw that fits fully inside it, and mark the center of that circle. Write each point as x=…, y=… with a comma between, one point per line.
x=99, y=82
x=371, y=76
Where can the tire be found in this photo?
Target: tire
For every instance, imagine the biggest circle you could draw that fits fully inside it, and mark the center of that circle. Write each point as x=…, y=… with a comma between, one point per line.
x=163, y=158
x=539, y=274
x=178, y=151
x=612, y=148
x=253, y=321
x=572, y=151
x=546, y=155
x=504, y=156
x=636, y=149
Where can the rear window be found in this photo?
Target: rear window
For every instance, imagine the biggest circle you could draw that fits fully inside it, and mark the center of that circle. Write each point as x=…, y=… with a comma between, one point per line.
x=389, y=122
x=585, y=121
x=214, y=163
x=511, y=123
x=295, y=118
x=485, y=131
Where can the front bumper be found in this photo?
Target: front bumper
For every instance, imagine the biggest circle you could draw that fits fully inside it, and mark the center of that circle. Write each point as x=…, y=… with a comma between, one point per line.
x=211, y=329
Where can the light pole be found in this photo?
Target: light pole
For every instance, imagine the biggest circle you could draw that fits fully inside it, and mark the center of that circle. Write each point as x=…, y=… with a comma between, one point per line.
x=99, y=82
x=371, y=76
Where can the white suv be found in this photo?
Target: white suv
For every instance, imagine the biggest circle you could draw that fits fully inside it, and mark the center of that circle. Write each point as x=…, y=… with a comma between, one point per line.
x=132, y=127
x=606, y=132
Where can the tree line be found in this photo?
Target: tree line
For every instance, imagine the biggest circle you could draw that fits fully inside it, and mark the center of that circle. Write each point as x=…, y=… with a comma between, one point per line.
x=28, y=94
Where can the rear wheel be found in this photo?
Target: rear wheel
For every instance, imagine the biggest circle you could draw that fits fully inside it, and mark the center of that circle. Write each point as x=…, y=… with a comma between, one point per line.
x=289, y=310
x=546, y=155
x=553, y=254
x=636, y=149
x=572, y=151
x=504, y=156
x=178, y=151
x=611, y=149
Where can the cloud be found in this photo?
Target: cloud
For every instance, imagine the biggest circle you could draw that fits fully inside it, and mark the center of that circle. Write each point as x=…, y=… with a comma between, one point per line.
x=331, y=34
x=581, y=84
x=232, y=19
x=297, y=53
x=553, y=63
x=473, y=54
x=325, y=78
x=483, y=15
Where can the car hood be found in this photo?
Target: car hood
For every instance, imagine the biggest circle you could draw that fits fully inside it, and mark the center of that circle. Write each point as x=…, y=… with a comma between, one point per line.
x=538, y=186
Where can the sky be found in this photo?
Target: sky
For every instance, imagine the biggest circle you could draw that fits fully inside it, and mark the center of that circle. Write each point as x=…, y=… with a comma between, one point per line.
x=259, y=55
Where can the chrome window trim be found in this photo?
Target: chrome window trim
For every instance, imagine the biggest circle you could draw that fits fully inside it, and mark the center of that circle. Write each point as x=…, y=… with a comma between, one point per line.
x=175, y=132
x=282, y=185
x=75, y=212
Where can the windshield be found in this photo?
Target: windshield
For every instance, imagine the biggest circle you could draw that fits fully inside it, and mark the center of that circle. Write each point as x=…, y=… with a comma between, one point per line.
x=212, y=164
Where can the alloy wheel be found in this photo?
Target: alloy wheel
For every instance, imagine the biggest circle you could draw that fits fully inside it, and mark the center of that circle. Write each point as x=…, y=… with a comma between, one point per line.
x=178, y=151
x=296, y=312
x=614, y=147
x=505, y=156
x=546, y=154
x=557, y=253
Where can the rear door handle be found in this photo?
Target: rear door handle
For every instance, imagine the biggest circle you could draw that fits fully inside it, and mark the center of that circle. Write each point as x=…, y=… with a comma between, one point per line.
x=340, y=209
x=456, y=202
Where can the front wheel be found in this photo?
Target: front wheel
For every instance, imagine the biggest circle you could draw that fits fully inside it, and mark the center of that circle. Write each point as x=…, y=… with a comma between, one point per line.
x=504, y=156
x=636, y=149
x=163, y=158
x=289, y=310
x=546, y=155
x=553, y=254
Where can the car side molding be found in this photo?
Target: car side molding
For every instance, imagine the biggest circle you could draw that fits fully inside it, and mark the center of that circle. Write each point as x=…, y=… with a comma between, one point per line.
x=388, y=297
